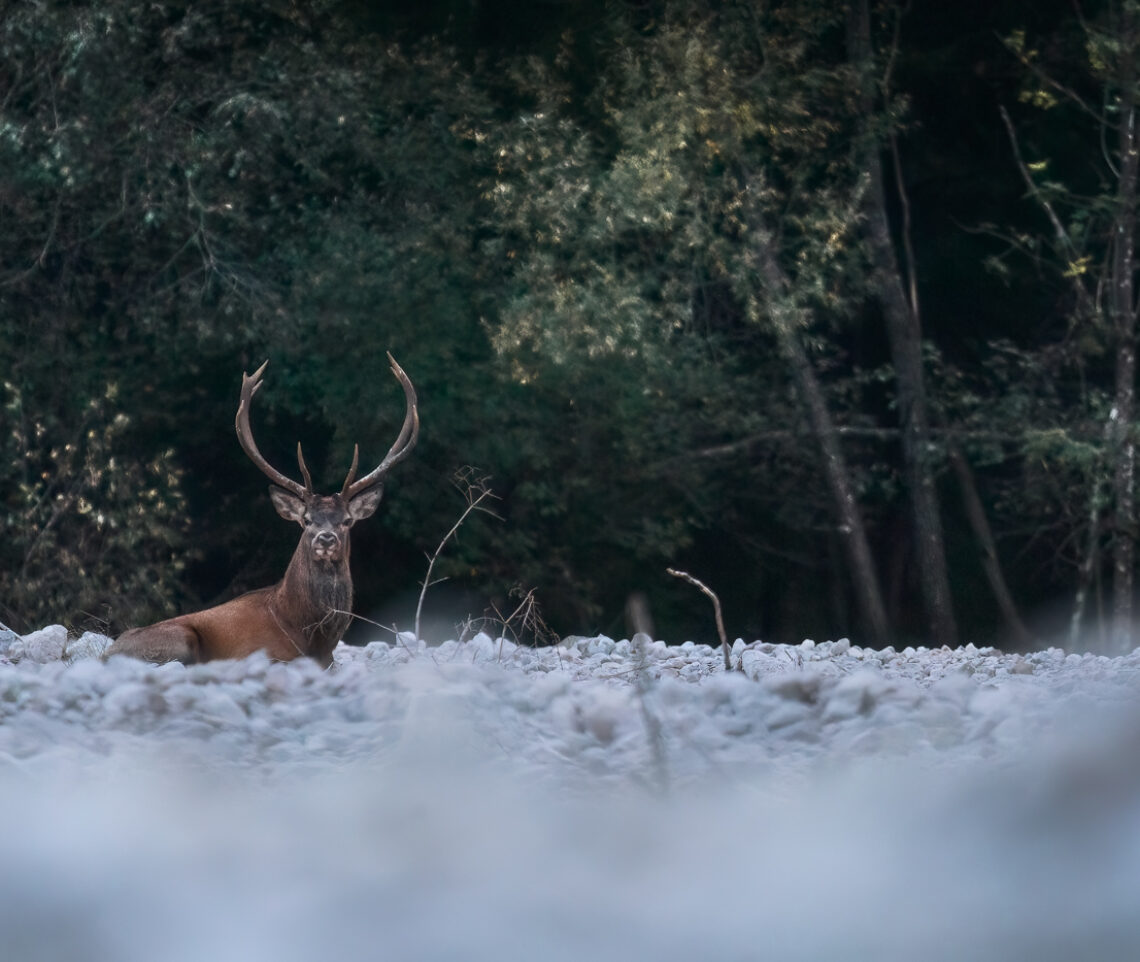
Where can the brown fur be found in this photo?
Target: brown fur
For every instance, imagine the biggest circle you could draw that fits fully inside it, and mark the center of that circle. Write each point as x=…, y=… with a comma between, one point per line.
x=304, y=614
x=234, y=630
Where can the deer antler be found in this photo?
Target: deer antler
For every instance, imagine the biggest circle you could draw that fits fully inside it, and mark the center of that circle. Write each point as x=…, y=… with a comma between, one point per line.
x=249, y=386
x=405, y=441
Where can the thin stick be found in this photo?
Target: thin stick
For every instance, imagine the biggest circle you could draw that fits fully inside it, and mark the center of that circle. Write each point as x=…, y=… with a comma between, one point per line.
x=476, y=492
x=716, y=607
x=392, y=628
x=643, y=683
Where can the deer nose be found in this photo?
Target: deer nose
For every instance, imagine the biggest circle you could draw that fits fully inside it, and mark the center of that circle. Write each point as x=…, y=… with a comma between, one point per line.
x=325, y=539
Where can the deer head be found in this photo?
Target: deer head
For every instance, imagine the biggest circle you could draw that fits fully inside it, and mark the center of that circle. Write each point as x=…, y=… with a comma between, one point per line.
x=326, y=519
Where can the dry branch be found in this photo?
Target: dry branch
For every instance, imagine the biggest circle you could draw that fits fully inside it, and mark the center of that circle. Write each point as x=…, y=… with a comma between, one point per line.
x=475, y=490
x=716, y=608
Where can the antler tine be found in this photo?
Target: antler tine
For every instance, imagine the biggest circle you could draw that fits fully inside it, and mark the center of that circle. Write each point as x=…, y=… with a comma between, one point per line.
x=304, y=470
x=352, y=471
x=405, y=441
x=249, y=386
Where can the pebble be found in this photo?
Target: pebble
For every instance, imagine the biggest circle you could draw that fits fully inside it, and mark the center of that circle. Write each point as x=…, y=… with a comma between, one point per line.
x=778, y=703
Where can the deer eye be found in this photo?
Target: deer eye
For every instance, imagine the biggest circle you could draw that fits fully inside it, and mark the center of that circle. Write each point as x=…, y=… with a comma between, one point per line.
x=306, y=518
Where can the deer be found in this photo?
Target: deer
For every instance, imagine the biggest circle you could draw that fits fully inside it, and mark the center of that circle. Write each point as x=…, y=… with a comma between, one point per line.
x=306, y=612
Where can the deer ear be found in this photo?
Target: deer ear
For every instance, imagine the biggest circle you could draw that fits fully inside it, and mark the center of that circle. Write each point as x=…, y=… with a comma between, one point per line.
x=289, y=506
x=364, y=505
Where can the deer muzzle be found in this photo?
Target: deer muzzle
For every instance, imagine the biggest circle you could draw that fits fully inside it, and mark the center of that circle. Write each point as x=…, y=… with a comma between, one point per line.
x=326, y=546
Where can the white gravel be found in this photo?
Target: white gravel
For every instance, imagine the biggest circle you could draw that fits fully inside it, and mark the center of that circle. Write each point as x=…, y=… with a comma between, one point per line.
x=597, y=800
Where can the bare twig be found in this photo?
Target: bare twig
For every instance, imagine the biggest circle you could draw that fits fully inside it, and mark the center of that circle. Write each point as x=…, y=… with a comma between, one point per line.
x=716, y=608
x=529, y=616
x=475, y=491
x=526, y=619
x=376, y=624
x=643, y=683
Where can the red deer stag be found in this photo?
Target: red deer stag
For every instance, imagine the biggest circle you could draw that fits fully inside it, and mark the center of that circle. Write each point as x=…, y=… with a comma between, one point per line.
x=305, y=613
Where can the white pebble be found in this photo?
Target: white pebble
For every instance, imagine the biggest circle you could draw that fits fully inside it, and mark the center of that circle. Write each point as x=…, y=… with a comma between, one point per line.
x=45, y=645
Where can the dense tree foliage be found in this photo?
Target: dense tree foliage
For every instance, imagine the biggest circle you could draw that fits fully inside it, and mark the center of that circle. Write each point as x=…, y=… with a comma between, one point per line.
x=677, y=276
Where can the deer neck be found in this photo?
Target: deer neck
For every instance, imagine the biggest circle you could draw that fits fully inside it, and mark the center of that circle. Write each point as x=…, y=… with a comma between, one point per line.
x=312, y=602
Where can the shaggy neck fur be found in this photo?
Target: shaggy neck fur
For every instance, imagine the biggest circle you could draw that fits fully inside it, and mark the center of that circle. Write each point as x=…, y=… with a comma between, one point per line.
x=313, y=601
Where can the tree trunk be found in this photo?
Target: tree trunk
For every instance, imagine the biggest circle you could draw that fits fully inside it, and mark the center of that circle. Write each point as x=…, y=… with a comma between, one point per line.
x=1086, y=572
x=904, y=332
x=980, y=525
x=785, y=320
x=1122, y=306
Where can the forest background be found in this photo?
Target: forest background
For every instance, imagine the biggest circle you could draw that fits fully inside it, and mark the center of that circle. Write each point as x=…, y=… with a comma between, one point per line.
x=830, y=304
